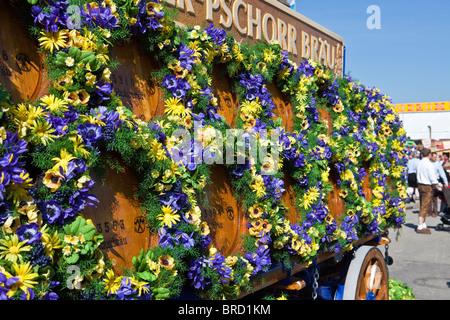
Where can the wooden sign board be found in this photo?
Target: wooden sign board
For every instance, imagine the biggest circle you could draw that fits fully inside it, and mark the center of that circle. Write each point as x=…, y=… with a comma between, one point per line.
x=267, y=20
x=21, y=70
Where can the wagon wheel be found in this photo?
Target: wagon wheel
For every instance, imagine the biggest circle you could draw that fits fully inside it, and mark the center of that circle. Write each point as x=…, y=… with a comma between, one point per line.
x=367, y=276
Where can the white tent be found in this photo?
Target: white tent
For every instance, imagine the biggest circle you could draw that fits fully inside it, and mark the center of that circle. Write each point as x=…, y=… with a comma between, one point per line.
x=418, y=124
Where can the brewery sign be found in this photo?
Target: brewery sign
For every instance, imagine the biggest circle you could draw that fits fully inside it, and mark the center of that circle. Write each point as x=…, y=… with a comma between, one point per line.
x=270, y=21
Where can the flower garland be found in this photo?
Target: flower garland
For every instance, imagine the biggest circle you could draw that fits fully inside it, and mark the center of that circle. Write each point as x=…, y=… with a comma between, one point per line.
x=50, y=147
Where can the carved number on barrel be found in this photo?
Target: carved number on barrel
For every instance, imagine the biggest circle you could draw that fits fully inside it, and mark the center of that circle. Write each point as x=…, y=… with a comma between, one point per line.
x=106, y=226
x=4, y=71
x=23, y=62
x=214, y=212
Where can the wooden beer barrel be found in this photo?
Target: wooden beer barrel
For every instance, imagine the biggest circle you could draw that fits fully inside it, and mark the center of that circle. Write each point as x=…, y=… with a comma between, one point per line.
x=284, y=109
x=224, y=215
x=119, y=218
x=21, y=70
x=133, y=80
x=288, y=199
x=228, y=104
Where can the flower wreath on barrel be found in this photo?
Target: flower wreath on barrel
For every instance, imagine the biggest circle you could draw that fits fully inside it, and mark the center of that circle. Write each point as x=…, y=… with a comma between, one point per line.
x=50, y=147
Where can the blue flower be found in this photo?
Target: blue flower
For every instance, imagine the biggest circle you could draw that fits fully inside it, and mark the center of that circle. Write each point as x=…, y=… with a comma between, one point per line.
x=51, y=211
x=195, y=274
x=125, y=290
x=176, y=200
x=261, y=258
x=90, y=132
x=5, y=211
x=100, y=16
x=29, y=233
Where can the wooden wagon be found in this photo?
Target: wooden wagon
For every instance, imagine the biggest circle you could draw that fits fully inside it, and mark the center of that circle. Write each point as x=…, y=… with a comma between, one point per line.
x=362, y=273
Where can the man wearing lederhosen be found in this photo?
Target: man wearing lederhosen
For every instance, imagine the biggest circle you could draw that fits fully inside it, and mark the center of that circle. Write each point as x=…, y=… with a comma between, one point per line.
x=426, y=183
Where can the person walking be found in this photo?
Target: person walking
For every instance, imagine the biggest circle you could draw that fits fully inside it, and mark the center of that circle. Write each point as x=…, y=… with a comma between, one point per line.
x=442, y=179
x=426, y=183
x=412, y=175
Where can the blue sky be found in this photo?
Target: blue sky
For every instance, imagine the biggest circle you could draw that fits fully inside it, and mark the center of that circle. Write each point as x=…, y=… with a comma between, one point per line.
x=408, y=58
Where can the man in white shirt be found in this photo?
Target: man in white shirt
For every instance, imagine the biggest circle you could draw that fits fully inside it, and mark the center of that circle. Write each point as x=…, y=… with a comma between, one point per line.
x=426, y=181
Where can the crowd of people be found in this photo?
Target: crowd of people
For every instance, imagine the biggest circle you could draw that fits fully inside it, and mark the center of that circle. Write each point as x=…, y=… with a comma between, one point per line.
x=428, y=176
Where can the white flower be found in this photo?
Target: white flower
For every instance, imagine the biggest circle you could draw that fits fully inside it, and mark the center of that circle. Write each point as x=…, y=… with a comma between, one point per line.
x=70, y=61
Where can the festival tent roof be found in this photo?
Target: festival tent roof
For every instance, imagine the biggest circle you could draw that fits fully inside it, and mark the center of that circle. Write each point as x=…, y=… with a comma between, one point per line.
x=416, y=125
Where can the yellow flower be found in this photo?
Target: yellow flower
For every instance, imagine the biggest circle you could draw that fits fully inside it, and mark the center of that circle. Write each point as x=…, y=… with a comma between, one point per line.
x=53, y=40
x=166, y=262
x=76, y=98
x=169, y=216
x=54, y=103
x=10, y=248
x=255, y=211
x=78, y=145
x=63, y=160
x=42, y=131
x=310, y=196
x=236, y=49
x=30, y=211
x=156, y=151
x=53, y=179
x=338, y=108
x=67, y=251
x=251, y=107
x=111, y=283
x=51, y=243
x=25, y=275
x=204, y=228
x=258, y=186
x=269, y=55
x=174, y=106
x=62, y=82
x=19, y=190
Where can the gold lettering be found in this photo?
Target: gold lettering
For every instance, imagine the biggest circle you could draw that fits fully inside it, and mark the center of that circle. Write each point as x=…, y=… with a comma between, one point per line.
x=331, y=53
x=306, y=48
x=237, y=4
x=210, y=6
x=292, y=39
x=282, y=33
x=322, y=52
x=253, y=21
x=227, y=10
x=314, y=48
x=266, y=18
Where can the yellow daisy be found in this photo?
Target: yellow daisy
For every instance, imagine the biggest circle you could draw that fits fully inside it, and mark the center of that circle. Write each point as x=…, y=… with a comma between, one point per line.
x=54, y=104
x=53, y=40
x=11, y=248
x=111, y=283
x=157, y=152
x=169, y=216
x=42, y=132
x=51, y=243
x=63, y=160
x=174, y=106
x=26, y=276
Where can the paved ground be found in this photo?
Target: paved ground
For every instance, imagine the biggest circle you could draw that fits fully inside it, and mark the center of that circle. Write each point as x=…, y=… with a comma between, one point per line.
x=422, y=261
